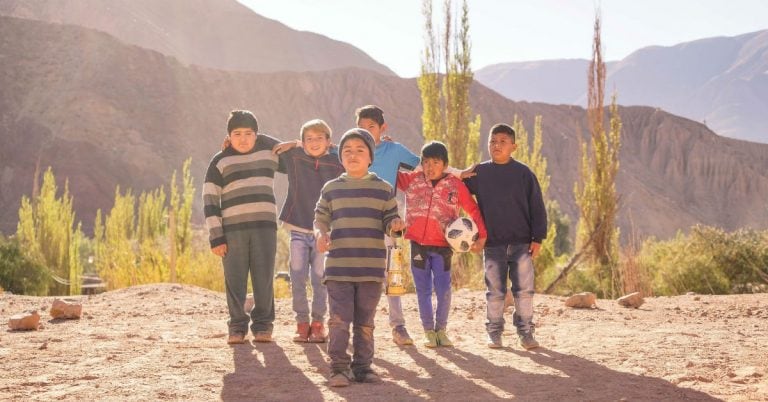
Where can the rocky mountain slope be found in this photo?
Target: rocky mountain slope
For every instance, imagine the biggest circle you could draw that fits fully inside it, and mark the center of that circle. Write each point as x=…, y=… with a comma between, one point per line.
x=103, y=113
x=721, y=82
x=222, y=34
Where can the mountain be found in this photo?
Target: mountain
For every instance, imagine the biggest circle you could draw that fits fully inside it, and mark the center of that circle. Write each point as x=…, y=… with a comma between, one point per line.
x=103, y=113
x=222, y=34
x=722, y=82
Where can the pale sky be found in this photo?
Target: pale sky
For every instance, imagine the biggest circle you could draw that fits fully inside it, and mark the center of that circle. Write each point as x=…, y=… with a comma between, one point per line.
x=391, y=31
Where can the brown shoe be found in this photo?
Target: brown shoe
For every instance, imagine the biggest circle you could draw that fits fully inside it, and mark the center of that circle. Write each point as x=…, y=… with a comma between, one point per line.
x=302, y=332
x=262, y=336
x=236, y=339
x=317, y=333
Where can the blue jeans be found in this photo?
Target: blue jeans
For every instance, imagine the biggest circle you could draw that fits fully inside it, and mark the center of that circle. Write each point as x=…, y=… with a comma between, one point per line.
x=306, y=262
x=432, y=265
x=352, y=303
x=514, y=262
x=250, y=253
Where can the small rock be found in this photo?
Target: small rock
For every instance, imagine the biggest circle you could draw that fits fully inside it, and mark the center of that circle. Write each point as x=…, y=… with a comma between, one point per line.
x=582, y=300
x=633, y=300
x=697, y=298
x=690, y=294
x=68, y=309
x=25, y=321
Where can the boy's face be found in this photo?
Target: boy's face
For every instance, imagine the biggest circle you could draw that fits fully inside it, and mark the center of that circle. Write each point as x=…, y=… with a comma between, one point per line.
x=242, y=139
x=433, y=168
x=501, y=147
x=316, y=143
x=355, y=157
x=374, y=128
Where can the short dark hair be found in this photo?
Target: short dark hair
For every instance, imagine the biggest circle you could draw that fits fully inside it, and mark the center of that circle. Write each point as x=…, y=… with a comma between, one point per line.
x=372, y=112
x=242, y=119
x=504, y=129
x=436, y=150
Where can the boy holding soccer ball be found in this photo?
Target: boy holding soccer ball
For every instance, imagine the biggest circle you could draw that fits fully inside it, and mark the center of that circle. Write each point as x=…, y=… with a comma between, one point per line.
x=433, y=199
x=511, y=202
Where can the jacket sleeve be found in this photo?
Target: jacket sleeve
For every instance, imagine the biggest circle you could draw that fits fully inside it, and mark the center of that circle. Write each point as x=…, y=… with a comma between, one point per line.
x=537, y=212
x=469, y=205
x=212, y=204
x=404, y=179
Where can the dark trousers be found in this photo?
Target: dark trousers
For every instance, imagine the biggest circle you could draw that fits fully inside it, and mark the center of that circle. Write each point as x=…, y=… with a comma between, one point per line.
x=351, y=303
x=250, y=253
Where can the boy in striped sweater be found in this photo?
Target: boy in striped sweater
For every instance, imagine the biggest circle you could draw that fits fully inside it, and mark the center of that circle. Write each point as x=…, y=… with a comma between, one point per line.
x=240, y=213
x=357, y=208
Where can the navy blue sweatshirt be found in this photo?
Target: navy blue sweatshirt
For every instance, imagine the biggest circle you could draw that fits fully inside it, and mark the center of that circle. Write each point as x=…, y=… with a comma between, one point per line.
x=510, y=201
x=306, y=177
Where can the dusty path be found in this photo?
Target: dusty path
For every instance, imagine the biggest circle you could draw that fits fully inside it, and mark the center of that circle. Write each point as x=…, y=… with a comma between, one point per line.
x=168, y=342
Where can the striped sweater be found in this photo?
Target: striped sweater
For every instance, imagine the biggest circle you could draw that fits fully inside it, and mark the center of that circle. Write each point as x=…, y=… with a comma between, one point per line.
x=357, y=212
x=238, y=193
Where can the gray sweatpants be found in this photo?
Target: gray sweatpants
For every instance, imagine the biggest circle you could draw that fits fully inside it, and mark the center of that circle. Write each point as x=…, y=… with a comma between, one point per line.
x=251, y=252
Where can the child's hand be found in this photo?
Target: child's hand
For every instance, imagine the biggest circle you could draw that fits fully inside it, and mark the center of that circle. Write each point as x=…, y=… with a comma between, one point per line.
x=220, y=250
x=468, y=172
x=285, y=146
x=397, y=225
x=323, y=242
x=226, y=143
x=478, y=245
x=387, y=138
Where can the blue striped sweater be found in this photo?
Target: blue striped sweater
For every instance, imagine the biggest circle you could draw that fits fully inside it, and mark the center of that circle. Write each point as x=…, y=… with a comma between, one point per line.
x=357, y=212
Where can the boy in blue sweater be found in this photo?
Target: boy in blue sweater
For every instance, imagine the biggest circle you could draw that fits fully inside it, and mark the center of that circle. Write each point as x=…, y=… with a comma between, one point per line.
x=510, y=200
x=308, y=167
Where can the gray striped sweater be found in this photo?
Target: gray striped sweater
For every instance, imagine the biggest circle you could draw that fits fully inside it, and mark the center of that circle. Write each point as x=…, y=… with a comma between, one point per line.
x=357, y=212
x=238, y=193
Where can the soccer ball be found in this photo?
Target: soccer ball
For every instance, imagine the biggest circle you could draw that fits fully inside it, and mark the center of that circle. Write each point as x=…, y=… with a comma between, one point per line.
x=460, y=234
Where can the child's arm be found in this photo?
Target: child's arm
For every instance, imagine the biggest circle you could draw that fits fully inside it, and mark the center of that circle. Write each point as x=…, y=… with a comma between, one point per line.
x=322, y=223
x=469, y=205
x=404, y=179
x=285, y=146
x=212, y=210
x=392, y=221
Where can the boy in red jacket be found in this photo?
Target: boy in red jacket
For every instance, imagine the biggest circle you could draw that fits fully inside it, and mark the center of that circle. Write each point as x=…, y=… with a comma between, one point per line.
x=433, y=199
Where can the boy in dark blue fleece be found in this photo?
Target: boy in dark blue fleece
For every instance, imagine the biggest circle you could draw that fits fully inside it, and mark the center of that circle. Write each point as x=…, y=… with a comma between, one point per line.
x=308, y=167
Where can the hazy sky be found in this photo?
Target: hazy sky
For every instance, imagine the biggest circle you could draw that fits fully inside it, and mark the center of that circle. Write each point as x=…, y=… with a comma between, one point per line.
x=390, y=31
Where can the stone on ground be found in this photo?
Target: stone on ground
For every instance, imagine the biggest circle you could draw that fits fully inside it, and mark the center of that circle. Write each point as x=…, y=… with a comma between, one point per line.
x=633, y=300
x=27, y=321
x=582, y=300
x=67, y=309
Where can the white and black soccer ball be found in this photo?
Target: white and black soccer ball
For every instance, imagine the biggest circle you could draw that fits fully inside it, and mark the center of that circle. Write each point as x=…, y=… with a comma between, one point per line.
x=460, y=234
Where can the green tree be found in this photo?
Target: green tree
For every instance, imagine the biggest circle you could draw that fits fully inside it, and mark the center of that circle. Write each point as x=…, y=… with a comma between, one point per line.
x=20, y=274
x=47, y=232
x=595, y=191
x=447, y=113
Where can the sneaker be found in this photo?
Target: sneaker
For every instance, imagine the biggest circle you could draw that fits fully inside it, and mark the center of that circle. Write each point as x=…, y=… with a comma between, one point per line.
x=302, y=332
x=340, y=379
x=494, y=341
x=442, y=338
x=317, y=333
x=236, y=339
x=430, y=339
x=528, y=341
x=367, y=376
x=262, y=336
x=400, y=336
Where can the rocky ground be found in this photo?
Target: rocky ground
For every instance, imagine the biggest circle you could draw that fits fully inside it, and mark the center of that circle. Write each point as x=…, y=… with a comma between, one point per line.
x=169, y=342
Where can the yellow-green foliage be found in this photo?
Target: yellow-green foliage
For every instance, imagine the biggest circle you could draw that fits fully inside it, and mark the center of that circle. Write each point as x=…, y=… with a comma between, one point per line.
x=708, y=260
x=47, y=233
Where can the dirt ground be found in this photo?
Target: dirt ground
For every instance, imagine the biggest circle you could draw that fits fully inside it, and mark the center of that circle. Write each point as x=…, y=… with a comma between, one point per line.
x=168, y=342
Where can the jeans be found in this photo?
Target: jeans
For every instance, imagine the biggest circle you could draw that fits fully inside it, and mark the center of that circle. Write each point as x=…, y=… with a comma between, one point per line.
x=250, y=252
x=352, y=303
x=306, y=262
x=432, y=265
x=514, y=262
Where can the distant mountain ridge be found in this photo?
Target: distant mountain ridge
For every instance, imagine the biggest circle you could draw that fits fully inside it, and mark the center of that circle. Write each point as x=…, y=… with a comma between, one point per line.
x=221, y=34
x=722, y=82
x=103, y=113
